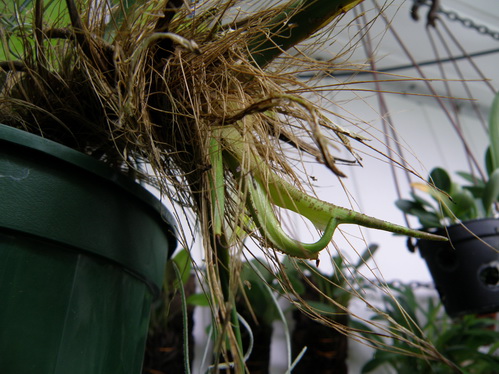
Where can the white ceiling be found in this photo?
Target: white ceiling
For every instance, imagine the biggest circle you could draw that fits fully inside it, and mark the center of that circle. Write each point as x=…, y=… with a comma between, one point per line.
x=485, y=11
x=424, y=129
x=451, y=38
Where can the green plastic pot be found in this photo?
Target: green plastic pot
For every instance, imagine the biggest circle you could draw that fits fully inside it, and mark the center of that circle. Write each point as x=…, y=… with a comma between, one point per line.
x=82, y=256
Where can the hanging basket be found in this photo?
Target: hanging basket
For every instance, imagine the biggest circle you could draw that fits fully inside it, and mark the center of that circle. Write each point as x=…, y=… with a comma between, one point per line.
x=82, y=256
x=465, y=270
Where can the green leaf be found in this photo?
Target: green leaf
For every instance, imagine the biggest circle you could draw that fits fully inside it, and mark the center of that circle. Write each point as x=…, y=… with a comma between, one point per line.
x=491, y=192
x=384, y=358
x=198, y=299
x=426, y=218
x=441, y=179
x=476, y=191
x=410, y=207
x=366, y=255
x=494, y=133
x=494, y=347
x=463, y=204
x=184, y=264
x=372, y=365
x=488, y=161
x=406, y=206
x=297, y=22
x=16, y=25
x=426, y=204
x=471, y=178
x=118, y=17
x=256, y=278
x=429, y=220
x=294, y=276
x=322, y=308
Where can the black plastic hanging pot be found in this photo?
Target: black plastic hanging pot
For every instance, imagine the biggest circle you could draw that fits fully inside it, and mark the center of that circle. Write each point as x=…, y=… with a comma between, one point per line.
x=82, y=256
x=465, y=270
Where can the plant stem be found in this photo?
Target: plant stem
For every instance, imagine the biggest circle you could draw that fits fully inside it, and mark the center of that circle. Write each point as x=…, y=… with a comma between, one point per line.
x=287, y=196
x=185, y=322
x=217, y=190
x=494, y=133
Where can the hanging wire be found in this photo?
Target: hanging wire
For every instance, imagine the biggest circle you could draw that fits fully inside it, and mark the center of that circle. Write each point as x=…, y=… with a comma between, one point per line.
x=429, y=85
x=461, y=76
x=443, y=42
x=388, y=126
x=450, y=109
x=391, y=69
x=448, y=91
x=469, y=57
x=453, y=17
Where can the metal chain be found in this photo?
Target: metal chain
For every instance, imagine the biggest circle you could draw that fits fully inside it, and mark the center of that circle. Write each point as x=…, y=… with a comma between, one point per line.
x=466, y=22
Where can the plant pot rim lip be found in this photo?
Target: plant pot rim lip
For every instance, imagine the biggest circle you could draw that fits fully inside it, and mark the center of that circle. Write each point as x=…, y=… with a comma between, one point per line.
x=459, y=224
x=481, y=227
x=33, y=142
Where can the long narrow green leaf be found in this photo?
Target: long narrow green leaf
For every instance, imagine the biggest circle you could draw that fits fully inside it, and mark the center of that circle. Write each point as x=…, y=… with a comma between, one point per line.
x=300, y=20
x=494, y=132
x=282, y=317
x=366, y=255
x=16, y=22
x=468, y=177
x=183, y=262
x=217, y=186
x=185, y=321
x=491, y=192
x=441, y=179
x=119, y=16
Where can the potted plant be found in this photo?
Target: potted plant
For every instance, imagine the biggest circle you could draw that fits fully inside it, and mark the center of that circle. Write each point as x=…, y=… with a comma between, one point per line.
x=170, y=339
x=466, y=269
x=467, y=343
x=193, y=100
x=257, y=304
x=325, y=350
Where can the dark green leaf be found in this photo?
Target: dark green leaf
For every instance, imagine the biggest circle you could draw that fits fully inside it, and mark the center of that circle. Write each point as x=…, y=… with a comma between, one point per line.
x=366, y=255
x=407, y=206
x=256, y=278
x=473, y=179
x=476, y=191
x=494, y=134
x=366, y=330
x=491, y=192
x=198, y=299
x=372, y=365
x=304, y=15
x=488, y=161
x=463, y=205
x=323, y=308
x=427, y=219
x=423, y=202
x=427, y=213
x=294, y=276
x=441, y=179
x=184, y=264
